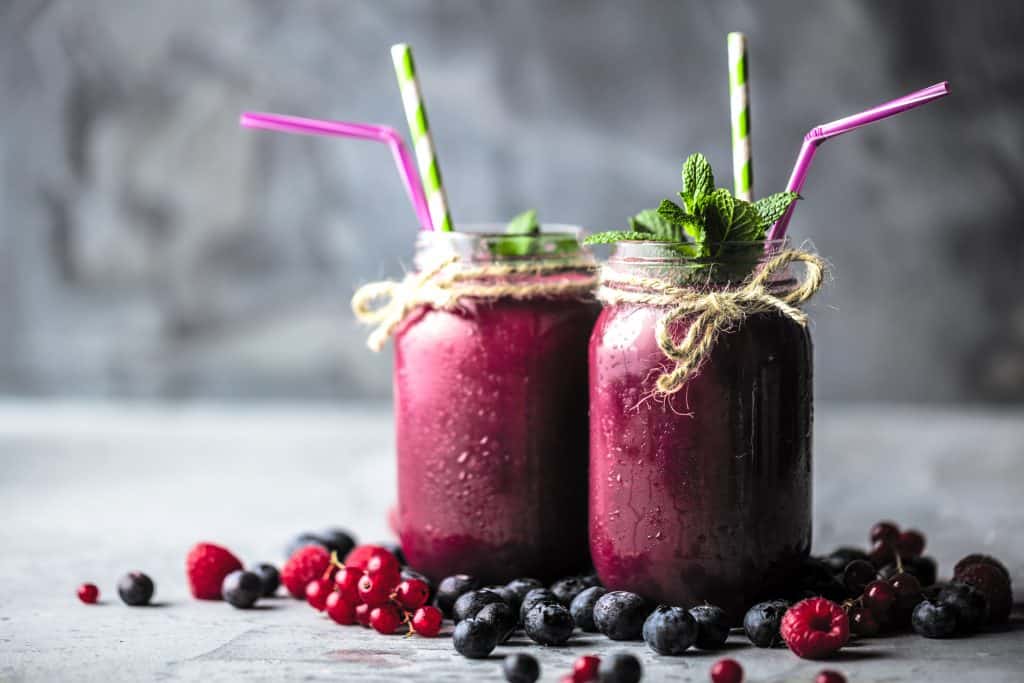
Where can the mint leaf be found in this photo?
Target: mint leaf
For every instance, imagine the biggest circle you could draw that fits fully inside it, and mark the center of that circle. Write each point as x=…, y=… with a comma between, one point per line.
x=651, y=220
x=524, y=224
x=722, y=203
x=770, y=209
x=746, y=224
x=514, y=245
x=692, y=226
x=698, y=183
x=617, y=236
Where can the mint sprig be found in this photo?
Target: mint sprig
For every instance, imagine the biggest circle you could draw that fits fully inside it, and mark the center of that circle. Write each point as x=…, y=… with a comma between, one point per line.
x=521, y=239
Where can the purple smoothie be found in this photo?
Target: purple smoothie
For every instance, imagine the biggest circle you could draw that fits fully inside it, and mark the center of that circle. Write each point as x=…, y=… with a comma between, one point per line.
x=491, y=423
x=706, y=495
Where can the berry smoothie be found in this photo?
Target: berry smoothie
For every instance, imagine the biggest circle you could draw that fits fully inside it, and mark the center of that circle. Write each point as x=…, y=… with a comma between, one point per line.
x=491, y=422
x=704, y=495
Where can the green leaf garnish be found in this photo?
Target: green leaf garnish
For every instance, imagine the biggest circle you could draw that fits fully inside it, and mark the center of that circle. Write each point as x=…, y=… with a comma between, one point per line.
x=524, y=224
x=521, y=239
x=771, y=208
x=617, y=236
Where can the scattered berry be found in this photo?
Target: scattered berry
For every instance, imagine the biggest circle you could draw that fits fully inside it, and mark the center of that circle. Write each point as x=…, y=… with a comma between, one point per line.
x=978, y=558
x=907, y=589
x=269, y=577
x=427, y=621
x=934, y=619
x=857, y=575
x=567, y=589
x=136, y=589
x=712, y=626
x=815, y=628
x=726, y=671
x=451, y=588
x=317, y=591
x=521, y=668
x=970, y=605
x=829, y=676
x=375, y=590
x=863, y=622
x=536, y=597
x=582, y=608
x=383, y=563
x=385, y=618
x=620, y=615
x=88, y=593
x=885, y=532
x=340, y=609
x=620, y=667
x=363, y=614
x=472, y=602
x=585, y=669
x=761, y=622
x=670, y=630
x=548, y=624
x=306, y=564
x=910, y=543
x=360, y=555
x=502, y=617
x=879, y=597
x=206, y=566
x=993, y=584
x=242, y=589
x=412, y=593
x=515, y=590
x=474, y=639
x=346, y=580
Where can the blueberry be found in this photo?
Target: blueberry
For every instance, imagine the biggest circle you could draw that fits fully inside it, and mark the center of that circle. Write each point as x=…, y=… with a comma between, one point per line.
x=567, y=589
x=533, y=598
x=242, y=589
x=503, y=618
x=620, y=667
x=548, y=624
x=582, y=608
x=472, y=602
x=840, y=557
x=269, y=577
x=620, y=615
x=521, y=668
x=762, y=621
x=515, y=590
x=934, y=619
x=449, y=590
x=136, y=589
x=474, y=638
x=970, y=605
x=591, y=580
x=670, y=630
x=712, y=626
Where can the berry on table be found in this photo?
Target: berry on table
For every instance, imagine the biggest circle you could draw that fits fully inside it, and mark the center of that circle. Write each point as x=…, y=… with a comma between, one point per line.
x=670, y=630
x=451, y=589
x=533, y=598
x=620, y=667
x=474, y=639
x=620, y=615
x=88, y=593
x=515, y=590
x=567, y=589
x=907, y=589
x=242, y=589
x=726, y=671
x=317, y=591
x=934, y=619
x=427, y=621
x=910, y=543
x=994, y=585
x=270, y=578
x=582, y=608
x=472, y=602
x=520, y=668
x=829, y=676
x=970, y=605
x=761, y=622
x=815, y=628
x=340, y=609
x=346, y=580
x=978, y=558
x=385, y=618
x=332, y=539
x=585, y=668
x=383, y=562
x=206, y=566
x=863, y=622
x=375, y=590
x=362, y=612
x=136, y=589
x=879, y=597
x=360, y=555
x=885, y=531
x=502, y=617
x=306, y=564
x=548, y=624
x=881, y=554
x=712, y=626
x=412, y=593
x=857, y=575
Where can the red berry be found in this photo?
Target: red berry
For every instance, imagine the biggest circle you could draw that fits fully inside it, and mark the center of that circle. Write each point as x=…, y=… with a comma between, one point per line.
x=881, y=554
x=863, y=622
x=363, y=614
x=857, y=575
x=726, y=671
x=306, y=564
x=978, y=558
x=885, y=531
x=88, y=593
x=385, y=618
x=815, y=628
x=907, y=589
x=993, y=584
x=910, y=544
x=584, y=669
x=427, y=621
x=879, y=597
x=374, y=590
x=206, y=566
x=412, y=593
x=347, y=582
x=317, y=591
x=340, y=609
x=567, y=679
x=829, y=676
x=359, y=555
x=381, y=561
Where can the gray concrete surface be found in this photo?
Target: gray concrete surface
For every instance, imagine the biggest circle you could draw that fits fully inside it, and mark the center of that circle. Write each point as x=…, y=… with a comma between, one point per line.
x=89, y=492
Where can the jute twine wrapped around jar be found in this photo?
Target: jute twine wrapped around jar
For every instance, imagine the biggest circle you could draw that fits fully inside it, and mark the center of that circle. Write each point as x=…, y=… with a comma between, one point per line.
x=716, y=311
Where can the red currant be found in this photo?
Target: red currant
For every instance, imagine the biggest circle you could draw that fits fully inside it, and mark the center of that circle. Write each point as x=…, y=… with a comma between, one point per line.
x=374, y=590
x=910, y=544
x=382, y=561
x=412, y=593
x=385, y=618
x=882, y=553
x=726, y=671
x=347, y=581
x=829, y=676
x=317, y=591
x=879, y=597
x=863, y=622
x=584, y=669
x=885, y=531
x=340, y=609
x=88, y=593
x=363, y=614
x=427, y=621
x=907, y=589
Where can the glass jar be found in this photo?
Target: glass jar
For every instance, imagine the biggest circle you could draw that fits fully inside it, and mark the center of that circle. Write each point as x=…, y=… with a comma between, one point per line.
x=703, y=494
x=491, y=416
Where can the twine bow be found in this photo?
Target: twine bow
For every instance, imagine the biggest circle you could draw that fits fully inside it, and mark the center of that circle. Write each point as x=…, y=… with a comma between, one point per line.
x=443, y=285
x=716, y=312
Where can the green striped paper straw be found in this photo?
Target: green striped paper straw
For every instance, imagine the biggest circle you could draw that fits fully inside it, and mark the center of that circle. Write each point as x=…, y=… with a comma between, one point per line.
x=739, y=105
x=422, y=142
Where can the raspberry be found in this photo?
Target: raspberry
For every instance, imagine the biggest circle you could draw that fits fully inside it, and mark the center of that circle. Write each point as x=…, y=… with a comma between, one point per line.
x=206, y=566
x=306, y=564
x=815, y=628
x=994, y=585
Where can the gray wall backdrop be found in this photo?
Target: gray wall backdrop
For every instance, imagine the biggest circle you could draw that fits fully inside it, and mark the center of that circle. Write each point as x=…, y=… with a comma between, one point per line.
x=151, y=248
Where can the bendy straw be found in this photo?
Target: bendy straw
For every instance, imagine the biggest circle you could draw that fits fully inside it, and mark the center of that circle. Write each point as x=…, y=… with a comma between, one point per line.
x=422, y=142
x=826, y=131
x=739, y=107
x=362, y=131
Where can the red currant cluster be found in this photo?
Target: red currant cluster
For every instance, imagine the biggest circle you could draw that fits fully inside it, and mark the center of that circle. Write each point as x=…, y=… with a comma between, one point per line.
x=368, y=589
x=884, y=603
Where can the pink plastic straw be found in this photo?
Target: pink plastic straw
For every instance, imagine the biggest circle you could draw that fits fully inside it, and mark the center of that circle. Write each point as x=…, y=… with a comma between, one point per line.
x=820, y=134
x=362, y=131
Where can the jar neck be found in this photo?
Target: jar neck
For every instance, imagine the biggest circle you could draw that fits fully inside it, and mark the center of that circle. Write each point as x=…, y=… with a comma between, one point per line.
x=721, y=265
x=555, y=245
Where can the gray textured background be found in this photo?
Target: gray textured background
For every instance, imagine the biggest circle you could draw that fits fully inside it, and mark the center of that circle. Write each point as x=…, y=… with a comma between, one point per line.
x=151, y=248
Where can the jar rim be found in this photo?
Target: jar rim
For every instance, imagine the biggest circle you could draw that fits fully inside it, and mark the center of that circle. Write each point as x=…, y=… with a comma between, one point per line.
x=487, y=242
